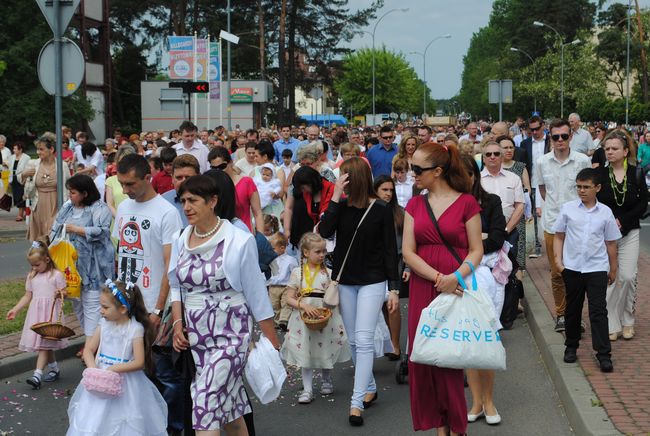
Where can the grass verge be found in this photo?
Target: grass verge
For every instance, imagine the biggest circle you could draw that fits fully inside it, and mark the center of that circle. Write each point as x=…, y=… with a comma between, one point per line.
x=10, y=292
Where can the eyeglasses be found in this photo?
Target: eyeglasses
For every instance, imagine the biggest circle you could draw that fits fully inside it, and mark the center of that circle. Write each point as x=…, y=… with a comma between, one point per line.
x=535, y=129
x=493, y=153
x=564, y=137
x=584, y=187
x=418, y=170
x=387, y=137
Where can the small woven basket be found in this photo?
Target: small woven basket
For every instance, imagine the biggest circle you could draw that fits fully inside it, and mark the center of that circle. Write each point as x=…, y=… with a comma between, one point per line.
x=317, y=323
x=102, y=381
x=54, y=331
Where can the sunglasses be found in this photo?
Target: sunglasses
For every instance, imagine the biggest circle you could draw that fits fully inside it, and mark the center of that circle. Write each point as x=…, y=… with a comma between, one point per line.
x=418, y=170
x=535, y=129
x=564, y=137
x=387, y=137
x=493, y=153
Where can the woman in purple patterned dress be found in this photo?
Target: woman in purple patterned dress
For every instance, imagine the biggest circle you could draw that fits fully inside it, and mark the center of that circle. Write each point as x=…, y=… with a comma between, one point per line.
x=214, y=271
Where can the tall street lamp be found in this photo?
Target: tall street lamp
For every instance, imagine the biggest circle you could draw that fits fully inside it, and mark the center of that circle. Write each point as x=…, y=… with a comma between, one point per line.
x=424, y=75
x=374, y=29
x=627, y=67
x=562, y=45
x=532, y=61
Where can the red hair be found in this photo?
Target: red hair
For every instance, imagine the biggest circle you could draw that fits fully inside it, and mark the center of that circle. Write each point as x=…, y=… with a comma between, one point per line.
x=453, y=169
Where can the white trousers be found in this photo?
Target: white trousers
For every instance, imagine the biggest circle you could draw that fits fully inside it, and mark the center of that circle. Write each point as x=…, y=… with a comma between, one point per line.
x=621, y=295
x=86, y=310
x=360, y=309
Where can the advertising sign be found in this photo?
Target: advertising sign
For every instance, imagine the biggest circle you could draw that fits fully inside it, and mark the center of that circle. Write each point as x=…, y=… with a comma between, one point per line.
x=181, y=57
x=241, y=95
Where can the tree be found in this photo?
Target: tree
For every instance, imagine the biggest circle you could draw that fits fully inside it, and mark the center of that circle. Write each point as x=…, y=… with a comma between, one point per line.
x=24, y=106
x=398, y=88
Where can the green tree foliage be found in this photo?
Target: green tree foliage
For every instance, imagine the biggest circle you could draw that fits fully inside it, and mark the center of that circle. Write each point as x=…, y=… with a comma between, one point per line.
x=397, y=89
x=25, y=108
x=511, y=25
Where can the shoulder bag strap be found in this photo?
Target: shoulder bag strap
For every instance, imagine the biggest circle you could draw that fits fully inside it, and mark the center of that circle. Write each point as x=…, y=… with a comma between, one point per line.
x=437, y=226
x=372, y=202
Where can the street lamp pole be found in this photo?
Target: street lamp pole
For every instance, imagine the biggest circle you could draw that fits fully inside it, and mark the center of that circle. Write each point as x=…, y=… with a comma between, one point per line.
x=562, y=45
x=534, y=72
x=627, y=67
x=374, y=29
x=424, y=59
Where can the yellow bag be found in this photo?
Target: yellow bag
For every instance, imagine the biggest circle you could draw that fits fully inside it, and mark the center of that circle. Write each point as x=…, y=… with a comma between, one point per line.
x=64, y=256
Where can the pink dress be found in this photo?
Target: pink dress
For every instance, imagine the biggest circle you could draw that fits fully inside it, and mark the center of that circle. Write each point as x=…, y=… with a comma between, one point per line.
x=43, y=287
x=244, y=190
x=437, y=394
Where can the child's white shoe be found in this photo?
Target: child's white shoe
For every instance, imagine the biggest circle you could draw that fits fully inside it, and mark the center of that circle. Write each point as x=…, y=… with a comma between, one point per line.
x=305, y=397
x=326, y=388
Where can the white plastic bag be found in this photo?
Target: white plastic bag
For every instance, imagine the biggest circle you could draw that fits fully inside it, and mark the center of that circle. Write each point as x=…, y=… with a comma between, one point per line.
x=264, y=371
x=459, y=332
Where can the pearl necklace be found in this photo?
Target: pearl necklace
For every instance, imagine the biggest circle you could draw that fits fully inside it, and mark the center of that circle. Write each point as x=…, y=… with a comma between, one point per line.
x=210, y=233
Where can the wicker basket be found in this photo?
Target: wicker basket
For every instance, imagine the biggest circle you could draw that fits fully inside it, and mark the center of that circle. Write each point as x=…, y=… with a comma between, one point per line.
x=54, y=331
x=317, y=323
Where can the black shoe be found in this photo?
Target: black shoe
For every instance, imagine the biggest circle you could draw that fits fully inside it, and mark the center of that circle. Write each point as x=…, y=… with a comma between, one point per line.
x=392, y=356
x=355, y=421
x=570, y=355
x=606, y=364
x=34, y=382
x=559, y=324
x=283, y=326
x=367, y=404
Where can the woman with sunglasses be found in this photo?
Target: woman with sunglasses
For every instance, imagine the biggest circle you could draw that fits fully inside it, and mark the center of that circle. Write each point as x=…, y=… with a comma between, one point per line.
x=437, y=394
x=598, y=159
x=624, y=190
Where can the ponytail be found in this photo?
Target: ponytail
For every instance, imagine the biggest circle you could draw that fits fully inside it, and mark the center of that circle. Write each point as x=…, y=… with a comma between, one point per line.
x=449, y=159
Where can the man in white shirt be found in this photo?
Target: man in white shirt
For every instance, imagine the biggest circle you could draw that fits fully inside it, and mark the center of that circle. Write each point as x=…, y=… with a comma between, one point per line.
x=4, y=151
x=191, y=145
x=554, y=175
x=507, y=185
x=581, y=140
x=145, y=225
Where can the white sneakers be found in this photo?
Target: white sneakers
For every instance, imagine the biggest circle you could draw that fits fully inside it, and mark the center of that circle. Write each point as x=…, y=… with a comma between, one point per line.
x=490, y=419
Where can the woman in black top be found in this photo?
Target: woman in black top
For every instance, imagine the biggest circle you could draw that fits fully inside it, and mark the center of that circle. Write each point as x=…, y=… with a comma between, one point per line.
x=493, y=225
x=372, y=261
x=624, y=190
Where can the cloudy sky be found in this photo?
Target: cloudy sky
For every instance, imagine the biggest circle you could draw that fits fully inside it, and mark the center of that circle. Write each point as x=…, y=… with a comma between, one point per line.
x=425, y=20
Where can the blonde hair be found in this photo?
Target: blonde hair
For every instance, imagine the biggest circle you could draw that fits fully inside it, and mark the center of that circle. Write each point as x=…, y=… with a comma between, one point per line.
x=350, y=147
x=39, y=250
x=401, y=150
x=278, y=238
x=466, y=147
x=307, y=242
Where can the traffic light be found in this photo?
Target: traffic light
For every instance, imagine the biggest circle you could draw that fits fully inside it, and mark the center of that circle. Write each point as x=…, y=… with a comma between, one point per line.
x=192, y=87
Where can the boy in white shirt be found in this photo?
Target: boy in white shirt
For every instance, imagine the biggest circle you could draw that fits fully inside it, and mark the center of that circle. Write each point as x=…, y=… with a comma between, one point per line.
x=281, y=268
x=585, y=254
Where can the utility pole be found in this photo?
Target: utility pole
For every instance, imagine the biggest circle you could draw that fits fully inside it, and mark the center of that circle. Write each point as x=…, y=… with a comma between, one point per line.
x=58, y=94
x=229, y=71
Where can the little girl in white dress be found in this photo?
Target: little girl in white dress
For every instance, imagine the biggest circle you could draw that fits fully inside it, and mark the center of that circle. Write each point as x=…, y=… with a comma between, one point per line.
x=119, y=346
x=309, y=349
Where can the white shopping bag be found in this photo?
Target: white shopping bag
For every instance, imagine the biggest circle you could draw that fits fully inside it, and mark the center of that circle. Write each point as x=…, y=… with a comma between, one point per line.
x=459, y=332
x=264, y=371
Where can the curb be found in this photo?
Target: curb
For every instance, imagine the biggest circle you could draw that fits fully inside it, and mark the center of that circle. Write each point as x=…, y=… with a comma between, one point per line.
x=570, y=381
x=23, y=362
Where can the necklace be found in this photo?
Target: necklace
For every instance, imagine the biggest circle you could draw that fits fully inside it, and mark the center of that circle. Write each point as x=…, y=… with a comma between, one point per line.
x=210, y=233
x=618, y=192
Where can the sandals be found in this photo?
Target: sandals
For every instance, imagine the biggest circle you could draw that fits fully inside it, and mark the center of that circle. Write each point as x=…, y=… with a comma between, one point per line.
x=305, y=397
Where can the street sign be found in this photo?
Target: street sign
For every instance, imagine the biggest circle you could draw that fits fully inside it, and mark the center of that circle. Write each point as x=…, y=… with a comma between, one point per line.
x=503, y=95
x=403, y=116
x=72, y=62
x=393, y=116
x=66, y=11
x=316, y=93
x=230, y=37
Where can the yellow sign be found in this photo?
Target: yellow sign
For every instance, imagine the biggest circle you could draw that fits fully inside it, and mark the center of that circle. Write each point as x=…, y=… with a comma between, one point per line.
x=70, y=86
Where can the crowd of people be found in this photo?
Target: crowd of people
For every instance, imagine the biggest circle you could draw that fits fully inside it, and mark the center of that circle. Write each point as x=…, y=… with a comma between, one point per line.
x=183, y=238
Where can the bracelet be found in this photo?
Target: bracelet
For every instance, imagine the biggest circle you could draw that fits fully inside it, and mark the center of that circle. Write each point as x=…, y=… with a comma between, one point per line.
x=176, y=322
x=438, y=275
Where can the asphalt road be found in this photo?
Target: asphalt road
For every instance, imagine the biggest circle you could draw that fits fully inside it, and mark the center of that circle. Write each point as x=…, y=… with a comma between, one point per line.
x=13, y=259
x=524, y=394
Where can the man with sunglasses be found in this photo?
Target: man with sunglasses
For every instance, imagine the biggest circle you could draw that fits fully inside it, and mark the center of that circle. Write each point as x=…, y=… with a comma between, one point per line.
x=555, y=174
x=536, y=145
x=381, y=155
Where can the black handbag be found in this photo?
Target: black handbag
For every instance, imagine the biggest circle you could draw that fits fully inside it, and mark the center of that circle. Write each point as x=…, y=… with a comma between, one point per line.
x=5, y=202
x=182, y=360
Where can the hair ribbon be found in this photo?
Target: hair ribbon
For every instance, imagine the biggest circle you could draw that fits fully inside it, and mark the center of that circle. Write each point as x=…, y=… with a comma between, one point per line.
x=36, y=244
x=118, y=294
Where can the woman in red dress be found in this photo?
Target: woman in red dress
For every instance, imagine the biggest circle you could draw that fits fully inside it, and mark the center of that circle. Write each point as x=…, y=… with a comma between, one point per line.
x=437, y=394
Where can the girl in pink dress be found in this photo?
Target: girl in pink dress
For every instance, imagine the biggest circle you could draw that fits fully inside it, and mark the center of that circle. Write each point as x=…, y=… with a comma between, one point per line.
x=44, y=285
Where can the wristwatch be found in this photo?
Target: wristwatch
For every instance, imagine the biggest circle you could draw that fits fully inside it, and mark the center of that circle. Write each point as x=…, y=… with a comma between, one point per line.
x=157, y=312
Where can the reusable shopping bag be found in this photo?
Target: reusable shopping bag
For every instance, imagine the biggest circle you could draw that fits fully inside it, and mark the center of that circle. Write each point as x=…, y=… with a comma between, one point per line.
x=264, y=371
x=64, y=256
x=459, y=332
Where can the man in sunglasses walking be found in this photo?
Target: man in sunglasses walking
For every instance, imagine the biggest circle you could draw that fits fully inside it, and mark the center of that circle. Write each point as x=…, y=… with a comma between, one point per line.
x=554, y=174
x=381, y=155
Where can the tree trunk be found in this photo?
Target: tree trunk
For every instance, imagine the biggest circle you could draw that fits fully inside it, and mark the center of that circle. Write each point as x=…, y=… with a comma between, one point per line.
x=179, y=10
x=260, y=18
x=644, y=58
x=281, y=62
x=195, y=16
x=291, y=85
